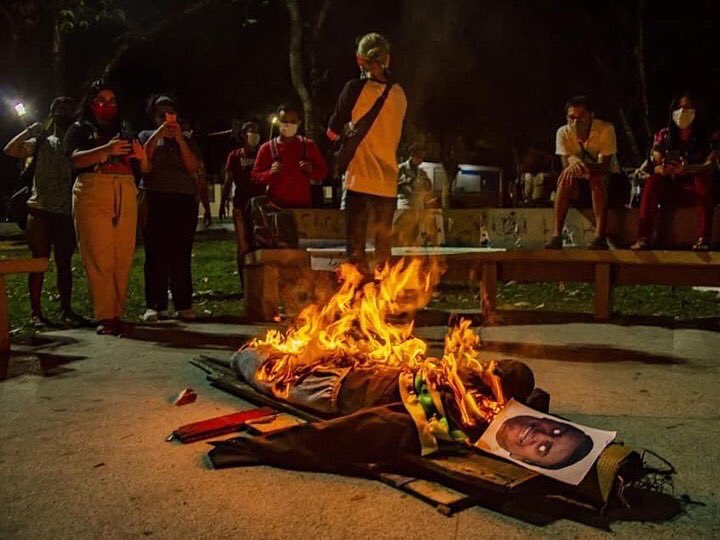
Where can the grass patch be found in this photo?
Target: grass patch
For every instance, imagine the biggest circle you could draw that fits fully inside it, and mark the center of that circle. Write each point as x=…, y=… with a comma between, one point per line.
x=217, y=292
x=215, y=282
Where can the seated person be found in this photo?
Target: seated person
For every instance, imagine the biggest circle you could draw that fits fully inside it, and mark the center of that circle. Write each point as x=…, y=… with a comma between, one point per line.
x=587, y=148
x=414, y=185
x=682, y=165
x=289, y=163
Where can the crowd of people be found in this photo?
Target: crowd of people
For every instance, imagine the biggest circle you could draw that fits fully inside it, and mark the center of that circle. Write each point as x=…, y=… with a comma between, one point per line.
x=87, y=169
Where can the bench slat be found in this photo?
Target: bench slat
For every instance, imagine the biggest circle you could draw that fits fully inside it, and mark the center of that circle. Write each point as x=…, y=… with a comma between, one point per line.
x=20, y=266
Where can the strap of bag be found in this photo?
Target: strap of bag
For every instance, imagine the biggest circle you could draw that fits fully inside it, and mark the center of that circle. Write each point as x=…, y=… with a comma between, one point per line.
x=363, y=125
x=274, y=150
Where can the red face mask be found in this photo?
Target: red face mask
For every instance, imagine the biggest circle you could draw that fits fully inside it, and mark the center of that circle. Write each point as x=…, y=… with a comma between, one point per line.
x=104, y=112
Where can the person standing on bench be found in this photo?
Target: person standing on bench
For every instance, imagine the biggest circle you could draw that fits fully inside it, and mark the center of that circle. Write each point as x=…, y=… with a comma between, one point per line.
x=49, y=221
x=682, y=163
x=368, y=121
x=587, y=148
x=288, y=165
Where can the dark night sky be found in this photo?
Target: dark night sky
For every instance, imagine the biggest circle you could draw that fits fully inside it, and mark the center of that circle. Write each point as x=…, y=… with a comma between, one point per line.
x=496, y=72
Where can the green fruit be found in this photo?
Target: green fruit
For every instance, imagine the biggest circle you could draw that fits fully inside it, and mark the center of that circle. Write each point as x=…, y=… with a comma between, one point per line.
x=418, y=383
x=427, y=404
x=457, y=435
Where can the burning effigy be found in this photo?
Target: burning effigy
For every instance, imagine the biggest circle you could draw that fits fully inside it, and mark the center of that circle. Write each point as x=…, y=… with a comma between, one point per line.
x=354, y=361
x=358, y=350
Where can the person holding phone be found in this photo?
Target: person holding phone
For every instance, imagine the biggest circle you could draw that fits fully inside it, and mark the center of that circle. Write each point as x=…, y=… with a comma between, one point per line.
x=105, y=158
x=49, y=222
x=682, y=159
x=172, y=211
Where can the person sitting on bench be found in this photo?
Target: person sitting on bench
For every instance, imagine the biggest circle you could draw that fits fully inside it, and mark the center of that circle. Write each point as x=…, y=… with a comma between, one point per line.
x=587, y=148
x=682, y=165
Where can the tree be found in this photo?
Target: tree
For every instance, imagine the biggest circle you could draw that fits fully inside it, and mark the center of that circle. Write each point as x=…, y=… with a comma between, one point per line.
x=41, y=29
x=305, y=31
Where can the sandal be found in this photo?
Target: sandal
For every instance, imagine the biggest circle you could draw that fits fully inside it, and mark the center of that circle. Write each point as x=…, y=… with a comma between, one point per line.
x=702, y=245
x=641, y=245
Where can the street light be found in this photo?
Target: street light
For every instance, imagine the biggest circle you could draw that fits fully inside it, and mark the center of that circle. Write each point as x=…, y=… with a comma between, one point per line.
x=20, y=109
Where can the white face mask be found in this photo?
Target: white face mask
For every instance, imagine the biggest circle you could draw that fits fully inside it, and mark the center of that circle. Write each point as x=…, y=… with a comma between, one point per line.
x=683, y=117
x=253, y=139
x=287, y=129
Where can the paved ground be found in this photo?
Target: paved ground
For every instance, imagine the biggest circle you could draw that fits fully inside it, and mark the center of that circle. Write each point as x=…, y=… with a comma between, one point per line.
x=83, y=451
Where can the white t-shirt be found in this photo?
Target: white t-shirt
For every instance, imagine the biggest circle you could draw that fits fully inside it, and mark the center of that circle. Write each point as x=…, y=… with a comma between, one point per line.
x=373, y=168
x=600, y=143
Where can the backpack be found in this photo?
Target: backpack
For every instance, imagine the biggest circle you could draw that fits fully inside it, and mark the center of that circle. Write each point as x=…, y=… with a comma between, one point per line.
x=272, y=227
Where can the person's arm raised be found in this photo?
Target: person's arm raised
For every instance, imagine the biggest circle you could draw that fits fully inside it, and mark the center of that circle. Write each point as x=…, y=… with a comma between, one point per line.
x=22, y=145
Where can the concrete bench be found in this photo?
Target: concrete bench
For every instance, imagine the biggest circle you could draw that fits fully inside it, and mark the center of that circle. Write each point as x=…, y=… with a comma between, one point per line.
x=13, y=266
x=265, y=272
x=604, y=269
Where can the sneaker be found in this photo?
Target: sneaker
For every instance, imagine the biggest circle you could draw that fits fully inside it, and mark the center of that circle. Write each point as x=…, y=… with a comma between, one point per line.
x=38, y=321
x=555, y=242
x=701, y=245
x=598, y=243
x=186, y=314
x=150, y=315
x=641, y=245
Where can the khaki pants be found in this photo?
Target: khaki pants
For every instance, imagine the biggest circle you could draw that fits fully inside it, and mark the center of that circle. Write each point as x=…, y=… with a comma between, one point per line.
x=105, y=212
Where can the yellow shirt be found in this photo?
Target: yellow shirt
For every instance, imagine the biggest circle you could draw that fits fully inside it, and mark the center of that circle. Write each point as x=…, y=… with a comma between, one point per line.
x=374, y=169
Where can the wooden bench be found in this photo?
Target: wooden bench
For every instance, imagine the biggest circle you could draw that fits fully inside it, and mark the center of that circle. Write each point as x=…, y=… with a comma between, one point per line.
x=603, y=268
x=13, y=266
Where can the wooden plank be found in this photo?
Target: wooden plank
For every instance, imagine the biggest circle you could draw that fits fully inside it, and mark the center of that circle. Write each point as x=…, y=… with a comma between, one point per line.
x=19, y=266
x=489, y=286
x=667, y=275
x=277, y=256
x=627, y=257
x=4, y=322
x=603, y=292
x=550, y=272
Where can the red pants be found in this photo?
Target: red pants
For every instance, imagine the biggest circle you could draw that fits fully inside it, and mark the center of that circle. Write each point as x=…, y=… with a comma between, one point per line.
x=667, y=192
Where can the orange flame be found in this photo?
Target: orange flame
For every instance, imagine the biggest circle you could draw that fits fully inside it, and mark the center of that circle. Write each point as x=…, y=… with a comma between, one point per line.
x=365, y=323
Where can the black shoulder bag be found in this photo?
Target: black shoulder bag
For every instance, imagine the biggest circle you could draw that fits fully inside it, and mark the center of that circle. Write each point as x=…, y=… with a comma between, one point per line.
x=354, y=134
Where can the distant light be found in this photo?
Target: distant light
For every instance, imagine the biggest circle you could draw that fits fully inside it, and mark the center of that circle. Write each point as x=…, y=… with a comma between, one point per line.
x=20, y=109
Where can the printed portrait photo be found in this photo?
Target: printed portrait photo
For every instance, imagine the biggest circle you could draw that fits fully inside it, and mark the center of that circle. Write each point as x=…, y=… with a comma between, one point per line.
x=543, y=443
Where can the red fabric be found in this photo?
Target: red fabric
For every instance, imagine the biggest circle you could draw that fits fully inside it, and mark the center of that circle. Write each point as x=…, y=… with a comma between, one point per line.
x=662, y=190
x=245, y=188
x=290, y=188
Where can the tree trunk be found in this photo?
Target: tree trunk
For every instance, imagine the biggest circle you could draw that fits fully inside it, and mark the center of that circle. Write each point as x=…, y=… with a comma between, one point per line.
x=296, y=67
x=640, y=62
x=632, y=139
x=57, y=60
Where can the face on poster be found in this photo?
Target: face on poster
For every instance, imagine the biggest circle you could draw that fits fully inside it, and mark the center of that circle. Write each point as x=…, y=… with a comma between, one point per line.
x=543, y=443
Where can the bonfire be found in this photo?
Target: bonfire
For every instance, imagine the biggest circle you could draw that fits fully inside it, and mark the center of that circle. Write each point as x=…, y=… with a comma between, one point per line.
x=369, y=324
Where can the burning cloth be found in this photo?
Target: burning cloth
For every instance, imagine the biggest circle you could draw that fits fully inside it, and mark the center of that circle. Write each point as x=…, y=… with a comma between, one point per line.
x=354, y=360
x=357, y=350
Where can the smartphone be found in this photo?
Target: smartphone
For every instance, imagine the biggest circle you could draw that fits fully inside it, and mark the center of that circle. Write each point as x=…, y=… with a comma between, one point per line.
x=170, y=118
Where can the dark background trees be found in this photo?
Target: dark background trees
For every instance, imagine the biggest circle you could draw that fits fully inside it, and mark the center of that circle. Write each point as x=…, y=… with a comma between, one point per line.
x=484, y=78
